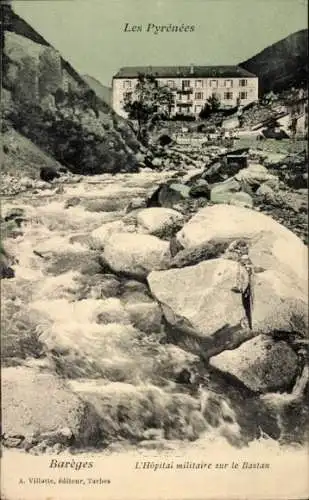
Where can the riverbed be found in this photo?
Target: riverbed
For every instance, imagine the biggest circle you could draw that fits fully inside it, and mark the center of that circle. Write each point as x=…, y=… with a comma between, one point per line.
x=50, y=318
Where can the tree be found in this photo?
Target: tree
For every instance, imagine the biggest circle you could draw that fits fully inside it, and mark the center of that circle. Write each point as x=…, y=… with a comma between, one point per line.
x=148, y=104
x=211, y=106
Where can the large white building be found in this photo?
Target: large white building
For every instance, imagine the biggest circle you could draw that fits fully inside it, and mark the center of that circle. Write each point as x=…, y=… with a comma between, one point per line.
x=191, y=85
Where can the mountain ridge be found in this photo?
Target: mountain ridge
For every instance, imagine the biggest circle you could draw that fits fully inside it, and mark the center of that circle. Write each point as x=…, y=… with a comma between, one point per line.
x=281, y=65
x=103, y=91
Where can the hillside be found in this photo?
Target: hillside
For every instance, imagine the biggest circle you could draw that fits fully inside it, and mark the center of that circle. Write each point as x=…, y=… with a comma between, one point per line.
x=47, y=102
x=102, y=91
x=281, y=65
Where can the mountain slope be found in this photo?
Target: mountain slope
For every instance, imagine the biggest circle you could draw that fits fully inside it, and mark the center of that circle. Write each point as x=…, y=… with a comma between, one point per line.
x=283, y=64
x=45, y=100
x=102, y=91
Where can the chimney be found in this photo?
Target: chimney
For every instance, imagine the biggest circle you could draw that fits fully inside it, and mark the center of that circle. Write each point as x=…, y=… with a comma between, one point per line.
x=191, y=69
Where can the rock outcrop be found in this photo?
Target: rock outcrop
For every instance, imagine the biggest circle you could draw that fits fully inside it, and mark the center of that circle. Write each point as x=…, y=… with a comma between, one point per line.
x=49, y=103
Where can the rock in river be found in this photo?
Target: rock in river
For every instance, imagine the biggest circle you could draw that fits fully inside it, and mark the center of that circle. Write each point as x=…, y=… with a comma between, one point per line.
x=136, y=255
x=199, y=299
x=168, y=195
x=36, y=403
x=226, y=221
x=101, y=234
x=208, y=312
x=261, y=364
x=157, y=220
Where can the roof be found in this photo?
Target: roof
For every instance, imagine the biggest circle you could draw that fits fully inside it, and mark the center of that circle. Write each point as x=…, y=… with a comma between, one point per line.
x=190, y=71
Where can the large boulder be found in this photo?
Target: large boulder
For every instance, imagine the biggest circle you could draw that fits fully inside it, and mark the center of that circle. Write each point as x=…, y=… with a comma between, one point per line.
x=100, y=235
x=199, y=301
x=272, y=250
x=279, y=302
x=159, y=220
x=255, y=175
x=210, y=311
x=37, y=404
x=48, y=174
x=168, y=195
x=261, y=364
x=200, y=189
x=268, y=194
x=220, y=171
x=229, y=192
x=225, y=221
x=136, y=254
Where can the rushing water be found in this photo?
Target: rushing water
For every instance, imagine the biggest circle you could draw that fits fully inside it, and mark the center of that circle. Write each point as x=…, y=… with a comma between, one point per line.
x=52, y=314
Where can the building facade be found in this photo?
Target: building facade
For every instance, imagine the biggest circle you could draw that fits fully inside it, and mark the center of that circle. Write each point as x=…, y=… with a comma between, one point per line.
x=191, y=86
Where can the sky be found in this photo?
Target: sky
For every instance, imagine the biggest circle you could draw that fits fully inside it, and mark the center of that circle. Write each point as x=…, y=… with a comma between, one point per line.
x=90, y=33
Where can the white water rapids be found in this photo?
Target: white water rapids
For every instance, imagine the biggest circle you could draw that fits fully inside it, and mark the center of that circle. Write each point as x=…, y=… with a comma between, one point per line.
x=128, y=374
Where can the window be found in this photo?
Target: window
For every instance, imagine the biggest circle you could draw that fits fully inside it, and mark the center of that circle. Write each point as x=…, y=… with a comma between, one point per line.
x=228, y=95
x=199, y=95
x=171, y=83
x=228, y=83
x=127, y=95
x=198, y=84
x=214, y=84
x=186, y=83
x=198, y=108
x=243, y=95
x=243, y=83
x=127, y=84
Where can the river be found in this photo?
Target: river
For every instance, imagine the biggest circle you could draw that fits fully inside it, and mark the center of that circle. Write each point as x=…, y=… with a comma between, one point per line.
x=53, y=304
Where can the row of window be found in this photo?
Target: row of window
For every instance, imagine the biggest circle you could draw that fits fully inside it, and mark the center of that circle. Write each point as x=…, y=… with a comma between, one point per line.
x=197, y=109
x=197, y=83
x=199, y=96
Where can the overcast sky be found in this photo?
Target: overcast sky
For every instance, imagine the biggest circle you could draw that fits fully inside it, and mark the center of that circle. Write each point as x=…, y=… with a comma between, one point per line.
x=89, y=33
